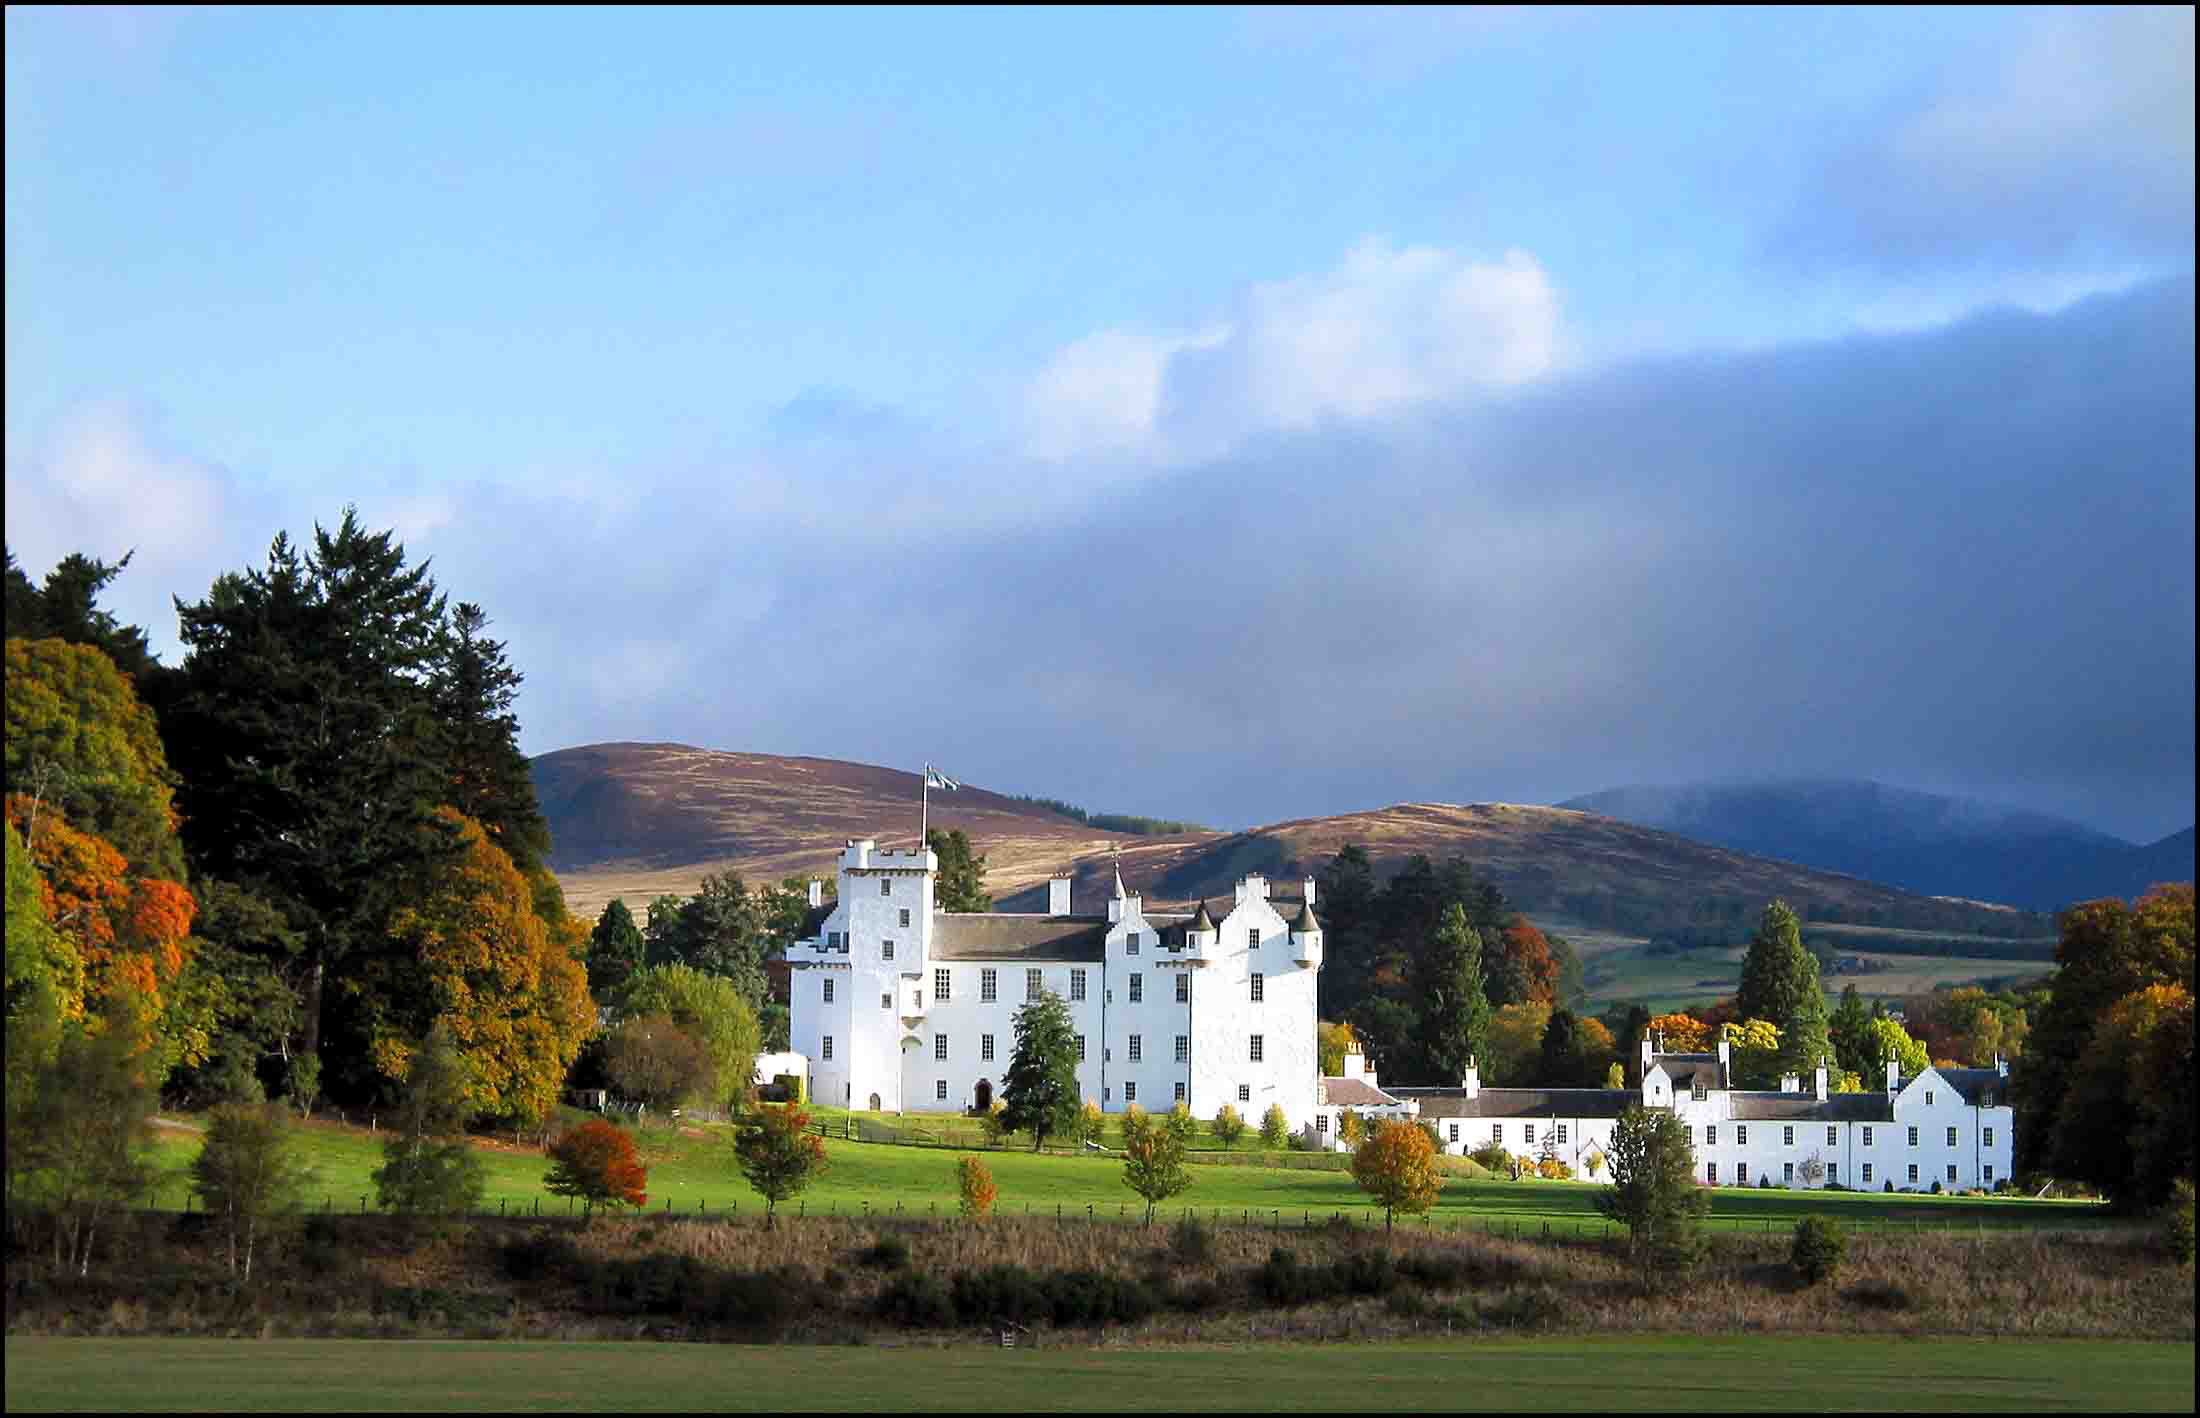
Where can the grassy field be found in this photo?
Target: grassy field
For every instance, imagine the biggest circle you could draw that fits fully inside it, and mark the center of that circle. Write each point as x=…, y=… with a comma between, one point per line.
x=1632, y=1374
x=1630, y=973
x=692, y=1174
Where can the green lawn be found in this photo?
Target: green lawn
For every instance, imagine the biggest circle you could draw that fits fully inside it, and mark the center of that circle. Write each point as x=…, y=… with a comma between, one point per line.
x=1750, y=1374
x=688, y=1175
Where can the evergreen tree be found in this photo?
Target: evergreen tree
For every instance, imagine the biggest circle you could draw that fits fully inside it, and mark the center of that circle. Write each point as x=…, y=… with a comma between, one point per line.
x=1039, y=1091
x=487, y=776
x=1455, y=1020
x=428, y=1168
x=960, y=885
x=1560, y=1063
x=1850, y=1031
x=67, y=608
x=1635, y=1025
x=614, y=951
x=1780, y=985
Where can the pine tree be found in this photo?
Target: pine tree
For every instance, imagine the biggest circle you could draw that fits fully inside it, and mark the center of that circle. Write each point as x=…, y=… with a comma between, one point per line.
x=1039, y=1091
x=1780, y=985
x=1560, y=1063
x=428, y=1168
x=960, y=885
x=488, y=779
x=614, y=951
x=1455, y=1020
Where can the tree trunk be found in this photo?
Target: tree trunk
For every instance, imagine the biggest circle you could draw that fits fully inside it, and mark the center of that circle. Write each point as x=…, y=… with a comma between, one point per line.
x=310, y=1044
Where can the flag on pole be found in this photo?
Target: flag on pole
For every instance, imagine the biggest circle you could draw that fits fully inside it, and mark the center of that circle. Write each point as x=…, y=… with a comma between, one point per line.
x=933, y=778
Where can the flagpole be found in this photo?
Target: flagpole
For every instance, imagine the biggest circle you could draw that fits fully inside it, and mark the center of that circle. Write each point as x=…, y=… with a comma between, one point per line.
x=924, y=809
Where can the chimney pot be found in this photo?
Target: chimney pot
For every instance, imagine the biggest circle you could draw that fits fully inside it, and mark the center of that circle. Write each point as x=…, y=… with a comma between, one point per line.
x=1058, y=896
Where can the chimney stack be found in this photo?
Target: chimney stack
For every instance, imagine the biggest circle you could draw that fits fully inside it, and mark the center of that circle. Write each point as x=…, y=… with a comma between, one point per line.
x=1791, y=1083
x=817, y=892
x=1894, y=1077
x=1058, y=896
x=1726, y=1059
x=1472, y=1080
x=1310, y=891
x=1821, y=1077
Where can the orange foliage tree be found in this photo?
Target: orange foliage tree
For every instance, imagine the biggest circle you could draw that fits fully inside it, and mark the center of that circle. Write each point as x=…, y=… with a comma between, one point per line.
x=513, y=988
x=1680, y=1034
x=1525, y=971
x=1397, y=1166
x=596, y=1162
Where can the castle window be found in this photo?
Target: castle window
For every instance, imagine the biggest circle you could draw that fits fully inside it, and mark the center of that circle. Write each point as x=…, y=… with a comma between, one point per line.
x=1833, y=1136
x=1138, y=988
x=1696, y=1090
x=1913, y=1172
x=1928, y=1097
x=939, y=1089
x=1951, y=1137
x=1867, y=1142
x=1527, y=1132
x=828, y=992
x=1245, y=1092
x=1252, y=939
x=987, y=979
x=1180, y=1093
x=1080, y=1048
x=1741, y=1135
x=1256, y=1042
x=1031, y=984
x=1138, y=1050
x=1130, y=1092
x=939, y=1046
x=1130, y=943
x=886, y=950
x=940, y=986
x=1710, y=1134
x=1183, y=1048
x=1833, y=1173
x=1561, y=1132
x=1741, y=1172
x=1497, y=1132
x=1076, y=986
x=885, y=886
x=826, y=1052
x=1867, y=1174
x=1989, y=1137
x=1259, y=981
x=905, y=916
x=1989, y=1171
x=1787, y=1137
x=1454, y=1132
x=1986, y=1099
x=886, y=1001
x=1711, y=1173
x=1321, y=1124
x=1787, y=1171
x=1183, y=989
x=1913, y=1143
x=985, y=1048
x=1951, y=1171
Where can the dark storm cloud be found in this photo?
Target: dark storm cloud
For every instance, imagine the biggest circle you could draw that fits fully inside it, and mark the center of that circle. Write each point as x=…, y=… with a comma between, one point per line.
x=1960, y=560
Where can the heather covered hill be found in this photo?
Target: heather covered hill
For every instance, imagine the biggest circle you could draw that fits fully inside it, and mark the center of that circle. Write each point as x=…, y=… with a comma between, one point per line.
x=636, y=820
x=1923, y=842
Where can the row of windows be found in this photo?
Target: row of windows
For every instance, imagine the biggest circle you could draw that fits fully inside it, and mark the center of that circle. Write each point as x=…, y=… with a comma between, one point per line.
x=1833, y=1135
x=1833, y=1173
x=985, y=1048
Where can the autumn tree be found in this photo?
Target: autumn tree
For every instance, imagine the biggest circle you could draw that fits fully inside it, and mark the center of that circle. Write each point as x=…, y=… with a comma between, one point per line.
x=1753, y=1052
x=1890, y=1041
x=471, y=949
x=1039, y=1091
x=428, y=1167
x=2107, y=952
x=2127, y=1115
x=249, y=1172
x=654, y=1061
x=79, y=1145
x=1680, y=1034
x=80, y=741
x=1525, y=971
x=1228, y=1126
x=1516, y=1043
x=974, y=1188
x=1653, y=1191
x=960, y=884
x=711, y=1008
x=777, y=1154
x=1153, y=1160
x=1332, y=1041
x=596, y=1162
x=1397, y=1166
x=1275, y=1127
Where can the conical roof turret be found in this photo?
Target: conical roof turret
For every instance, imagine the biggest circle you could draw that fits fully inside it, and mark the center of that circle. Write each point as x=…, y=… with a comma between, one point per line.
x=1304, y=923
x=1201, y=921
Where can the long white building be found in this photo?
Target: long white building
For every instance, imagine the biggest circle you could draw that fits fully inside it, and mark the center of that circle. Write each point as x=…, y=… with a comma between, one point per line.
x=902, y=1007
x=1953, y=1126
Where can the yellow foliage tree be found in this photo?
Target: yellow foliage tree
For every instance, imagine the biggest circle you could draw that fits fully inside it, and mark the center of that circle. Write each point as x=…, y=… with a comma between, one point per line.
x=1680, y=1034
x=1397, y=1166
x=1516, y=1042
x=514, y=992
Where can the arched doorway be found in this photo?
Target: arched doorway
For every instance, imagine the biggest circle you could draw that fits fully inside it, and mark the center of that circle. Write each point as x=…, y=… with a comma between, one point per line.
x=874, y=1103
x=982, y=1100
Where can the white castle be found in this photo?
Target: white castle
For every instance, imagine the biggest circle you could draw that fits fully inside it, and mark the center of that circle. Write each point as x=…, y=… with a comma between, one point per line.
x=1205, y=1008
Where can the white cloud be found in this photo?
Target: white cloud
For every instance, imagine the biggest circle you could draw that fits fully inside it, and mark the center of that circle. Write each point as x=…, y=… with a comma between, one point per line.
x=1388, y=327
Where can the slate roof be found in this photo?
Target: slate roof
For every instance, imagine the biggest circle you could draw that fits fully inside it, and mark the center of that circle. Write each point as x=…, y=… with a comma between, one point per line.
x=1871, y=1107
x=1686, y=1069
x=1522, y=1102
x=1353, y=1093
x=1971, y=1083
x=984, y=935
x=1172, y=925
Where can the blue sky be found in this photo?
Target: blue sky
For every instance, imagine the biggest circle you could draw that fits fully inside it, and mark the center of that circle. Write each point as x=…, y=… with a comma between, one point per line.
x=688, y=341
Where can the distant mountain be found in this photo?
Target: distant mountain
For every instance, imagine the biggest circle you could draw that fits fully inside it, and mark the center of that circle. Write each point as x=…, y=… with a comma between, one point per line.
x=636, y=820
x=1923, y=842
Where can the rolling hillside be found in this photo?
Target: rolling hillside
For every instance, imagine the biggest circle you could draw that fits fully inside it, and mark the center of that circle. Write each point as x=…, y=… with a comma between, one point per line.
x=1920, y=842
x=635, y=820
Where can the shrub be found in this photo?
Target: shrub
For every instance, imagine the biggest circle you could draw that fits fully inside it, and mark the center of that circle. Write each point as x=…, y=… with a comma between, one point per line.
x=1554, y=1169
x=1536, y=1308
x=1888, y=1185
x=1275, y=1128
x=1936, y=1186
x=1818, y=1248
x=596, y=1163
x=886, y=1253
x=1228, y=1126
x=1190, y=1243
x=2177, y=1222
x=1090, y=1122
x=1764, y=1184
x=1594, y=1162
x=539, y=1255
x=974, y=1182
x=916, y=1298
x=1880, y=1295
x=1496, y=1159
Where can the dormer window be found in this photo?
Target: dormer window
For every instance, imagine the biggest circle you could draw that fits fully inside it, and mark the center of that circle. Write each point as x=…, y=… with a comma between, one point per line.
x=1986, y=1099
x=1696, y=1091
